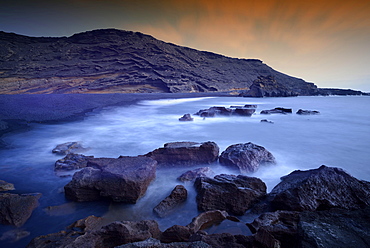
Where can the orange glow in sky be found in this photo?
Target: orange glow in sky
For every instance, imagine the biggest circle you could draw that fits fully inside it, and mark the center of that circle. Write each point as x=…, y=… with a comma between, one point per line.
x=326, y=42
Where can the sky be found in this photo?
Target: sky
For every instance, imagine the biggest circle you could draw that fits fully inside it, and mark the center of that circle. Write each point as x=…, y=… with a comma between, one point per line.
x=326, y=42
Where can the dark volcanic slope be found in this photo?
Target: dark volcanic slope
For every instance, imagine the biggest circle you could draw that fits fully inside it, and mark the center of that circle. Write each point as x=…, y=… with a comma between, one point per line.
x=110, y=60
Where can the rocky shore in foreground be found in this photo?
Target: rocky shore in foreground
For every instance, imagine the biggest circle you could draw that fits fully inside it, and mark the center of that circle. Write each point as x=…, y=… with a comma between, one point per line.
x=323, y=207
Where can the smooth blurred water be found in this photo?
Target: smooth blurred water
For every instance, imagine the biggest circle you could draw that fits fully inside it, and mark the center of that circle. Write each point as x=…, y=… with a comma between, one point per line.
x=339, y=136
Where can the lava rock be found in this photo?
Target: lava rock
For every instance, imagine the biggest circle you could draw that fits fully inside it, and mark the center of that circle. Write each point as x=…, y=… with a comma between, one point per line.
x=178, y=195
x=276, y=111
x=307, y=112
x=5, y=186
x=68, y=147
x=186, y=117
x=185, y=153
x=72, y=161
x=245, y=157
x=320, y=189
x=16, y=209
x=234, y=194
x=125, y=179
x=193, y=174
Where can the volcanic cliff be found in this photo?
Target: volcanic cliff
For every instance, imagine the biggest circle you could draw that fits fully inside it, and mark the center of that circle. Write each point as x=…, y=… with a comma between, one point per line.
x=116, y=61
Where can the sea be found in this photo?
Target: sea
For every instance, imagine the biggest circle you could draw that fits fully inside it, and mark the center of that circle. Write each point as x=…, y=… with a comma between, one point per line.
x=338, y=137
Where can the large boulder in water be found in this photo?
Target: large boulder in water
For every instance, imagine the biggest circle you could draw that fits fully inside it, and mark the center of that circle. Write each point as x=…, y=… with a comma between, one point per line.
x=245, y=157
x=234, y=194
x=185, y=153
x=16, y=209
x=177, y=196
x=318, y=189
x=124, y=179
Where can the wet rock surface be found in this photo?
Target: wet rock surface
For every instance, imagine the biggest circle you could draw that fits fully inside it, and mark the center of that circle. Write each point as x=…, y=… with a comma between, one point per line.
x=320, y=189
x=125, y=179
x=177, y=196
x=5, y=186
x=16, y=209
x=246, y=110
x=245, y=157
x=307, y=112
x=186, y=117
x=185, y=153
x=234, y=194
x=72, y=161
x=193, y=174
x=277, y=110
x=68, y=147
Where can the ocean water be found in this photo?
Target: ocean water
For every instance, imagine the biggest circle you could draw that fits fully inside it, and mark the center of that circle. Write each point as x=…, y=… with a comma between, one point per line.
x=339, y=136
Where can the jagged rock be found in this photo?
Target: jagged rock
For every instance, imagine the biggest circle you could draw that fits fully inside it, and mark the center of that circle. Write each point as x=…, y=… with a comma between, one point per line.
x=185, y=153
x=72, y=161
x=16, y=209
x=5, y=186
x=178, y=195
x=307, y=112
x=68, y=147
x=277, y=110
x=154, y=243
x=267, y=121
x=335, y=228
x=186, y=117
x=245, y=157
x=193, y=174
x=125, y=179
x=276, y=227
x=213, y=111
x=234, y=194
x=319, y=189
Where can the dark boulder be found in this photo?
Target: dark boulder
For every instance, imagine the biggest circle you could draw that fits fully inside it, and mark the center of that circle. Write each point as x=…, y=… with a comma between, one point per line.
x=186, y=117
x=335, y=228
x=307, y=112
x=68, y=147
x=234, y=194
x=16, y=209
x=277, y=110
x=185, y=153
x=125, y=179
x=244, y=111
x=213, y=111
x=5, y=186
x=176, y=233
x=267, y=121
x=245, y=157
x=319, y=189
x=178, y=196
x=72, y=161
x=280, y=227
x=193, y=174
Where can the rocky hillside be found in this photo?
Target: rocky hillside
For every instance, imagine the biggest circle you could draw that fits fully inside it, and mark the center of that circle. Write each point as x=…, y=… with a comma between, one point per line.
x=110, y=60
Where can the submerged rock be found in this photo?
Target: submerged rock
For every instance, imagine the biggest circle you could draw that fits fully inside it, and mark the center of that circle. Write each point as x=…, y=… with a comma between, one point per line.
x=178, y=195
x=319, y=189
x=234, y=194
x=125, y=179
x=307, y=112
x=5, y=186
x=193, y=174
x=185, y=153
x=186, y=117
x=245, y=157
x=68, y=147
x=14, y=235
x=267, y=121
x=278, y=110
x=17, y=209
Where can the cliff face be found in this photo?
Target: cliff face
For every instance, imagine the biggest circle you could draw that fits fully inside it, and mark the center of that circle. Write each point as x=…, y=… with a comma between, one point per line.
x=110, y=60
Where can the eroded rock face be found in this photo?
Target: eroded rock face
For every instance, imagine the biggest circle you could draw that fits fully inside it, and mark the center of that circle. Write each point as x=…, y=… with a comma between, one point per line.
x=125, y=179
x=245, y=157
x=319, y=189
x=185, y=153
x=16, y=209
x=193, y=174
x=178, y=195
x=234, y=194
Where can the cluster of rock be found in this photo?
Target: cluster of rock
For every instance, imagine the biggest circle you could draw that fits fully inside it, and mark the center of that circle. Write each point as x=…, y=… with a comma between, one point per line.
x=280, y=110
x=324, y=207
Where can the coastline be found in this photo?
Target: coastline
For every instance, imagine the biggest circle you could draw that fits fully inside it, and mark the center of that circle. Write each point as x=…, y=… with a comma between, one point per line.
x=18, y=111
